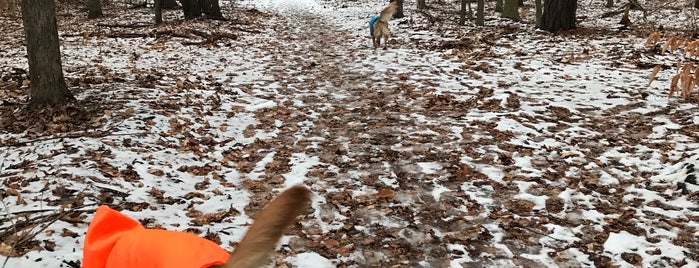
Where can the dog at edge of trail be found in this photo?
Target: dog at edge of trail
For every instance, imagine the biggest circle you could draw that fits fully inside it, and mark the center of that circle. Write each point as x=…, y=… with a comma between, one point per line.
x=114, y=240
x=380, y=26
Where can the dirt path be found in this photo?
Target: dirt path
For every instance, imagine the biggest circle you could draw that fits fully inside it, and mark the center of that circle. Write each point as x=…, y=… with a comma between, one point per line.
x=419, y=169
x=475, y=147
x=373, y=132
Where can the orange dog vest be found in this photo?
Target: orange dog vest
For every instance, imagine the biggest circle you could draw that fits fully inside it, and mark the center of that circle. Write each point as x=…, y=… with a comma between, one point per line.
x=114, y=240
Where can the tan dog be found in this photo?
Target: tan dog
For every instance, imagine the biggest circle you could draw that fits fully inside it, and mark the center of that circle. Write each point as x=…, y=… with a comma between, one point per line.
x=381, y=25
x=259, y=242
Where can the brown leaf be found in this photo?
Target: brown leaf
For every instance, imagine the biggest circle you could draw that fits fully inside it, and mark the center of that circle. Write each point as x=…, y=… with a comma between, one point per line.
x=156, y=172
x=385, y=193
x=656, y=69
x=7, y=250
x=331, y=243
x=673, y=84
x=68, y=233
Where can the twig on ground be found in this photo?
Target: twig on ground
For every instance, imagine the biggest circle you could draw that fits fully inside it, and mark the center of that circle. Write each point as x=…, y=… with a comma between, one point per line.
x=90, y=134
x=43, y=218
x=134, y=25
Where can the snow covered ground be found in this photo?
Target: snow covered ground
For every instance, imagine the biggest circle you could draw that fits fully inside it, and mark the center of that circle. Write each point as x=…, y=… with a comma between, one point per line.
x=498, y=146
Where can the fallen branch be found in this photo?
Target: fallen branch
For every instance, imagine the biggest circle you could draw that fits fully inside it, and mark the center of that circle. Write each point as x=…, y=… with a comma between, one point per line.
x=213, y=38
x=90, y=134
x=50, y=218
x=130, y=26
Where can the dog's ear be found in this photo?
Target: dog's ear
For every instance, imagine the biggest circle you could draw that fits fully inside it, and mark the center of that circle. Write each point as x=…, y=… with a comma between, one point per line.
x=259, y=242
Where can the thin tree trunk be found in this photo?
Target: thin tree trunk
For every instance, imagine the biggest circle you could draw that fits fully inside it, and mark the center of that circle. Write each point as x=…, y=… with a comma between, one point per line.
x=462, y=19
x=211, y=9
x=399, y=12
x=480, y=13
x=539, y=10
x=47, y=84
x=511, y=10
x=94, y=9
x=470, y=10
x=158, y=11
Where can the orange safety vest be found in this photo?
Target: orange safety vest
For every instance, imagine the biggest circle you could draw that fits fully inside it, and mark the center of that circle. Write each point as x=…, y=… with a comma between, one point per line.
x=114, y=240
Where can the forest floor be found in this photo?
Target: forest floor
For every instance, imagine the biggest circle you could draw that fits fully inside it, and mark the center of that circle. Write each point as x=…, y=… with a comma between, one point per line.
x=458, y=146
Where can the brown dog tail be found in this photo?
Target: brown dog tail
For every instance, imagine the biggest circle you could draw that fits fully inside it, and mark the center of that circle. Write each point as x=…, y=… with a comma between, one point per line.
x=388, y=11
x=259, y=242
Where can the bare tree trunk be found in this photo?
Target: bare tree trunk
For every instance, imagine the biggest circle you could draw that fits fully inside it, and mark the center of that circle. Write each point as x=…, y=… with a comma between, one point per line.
x=462, y=19
x=538, y=5
x=470, y=10
x=625, y=17
x=558, y=15
x=399, y=12
x=170, y=4
x=47, y=84
x=421, y=5
x=511, y=10
x=498, y=6
x=480, y=13
x=158, y=11
x=191, y=9
x=211, y=9
x=94, y=9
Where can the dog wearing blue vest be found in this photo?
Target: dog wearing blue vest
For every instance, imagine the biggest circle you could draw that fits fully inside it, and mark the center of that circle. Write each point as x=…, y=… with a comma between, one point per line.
x=378, y=25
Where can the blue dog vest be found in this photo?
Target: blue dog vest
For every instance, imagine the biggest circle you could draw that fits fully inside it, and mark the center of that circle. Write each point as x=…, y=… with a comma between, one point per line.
x=371, y=24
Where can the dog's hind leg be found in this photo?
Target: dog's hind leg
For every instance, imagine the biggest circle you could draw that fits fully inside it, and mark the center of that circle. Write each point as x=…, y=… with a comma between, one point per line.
x=385, y=41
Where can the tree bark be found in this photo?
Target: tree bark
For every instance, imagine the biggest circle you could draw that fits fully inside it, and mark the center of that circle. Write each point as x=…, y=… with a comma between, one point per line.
x=480, y=13
x=539, y=10
x=195, y=8
x=421, y=5
x=462, y=19
x=94, y=9
x=191, y=9
x=47, y=84
x=170, y=4
x=559, y=15
x=399, y=12
x=158, y=11
x=511, y=10
x=211, y=9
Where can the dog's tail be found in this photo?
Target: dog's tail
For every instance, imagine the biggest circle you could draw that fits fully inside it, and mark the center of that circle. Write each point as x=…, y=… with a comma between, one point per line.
x=259, y=242
x=388, y=11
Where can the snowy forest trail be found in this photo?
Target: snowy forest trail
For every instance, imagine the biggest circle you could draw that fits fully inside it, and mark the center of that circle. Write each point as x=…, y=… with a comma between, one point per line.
x=344, y=109
x=458, y=146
